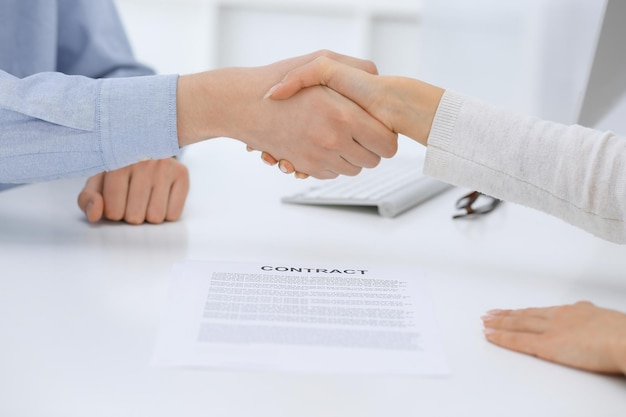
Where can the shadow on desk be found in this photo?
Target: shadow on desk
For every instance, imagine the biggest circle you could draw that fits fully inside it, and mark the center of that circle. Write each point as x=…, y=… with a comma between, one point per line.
x=168, y=241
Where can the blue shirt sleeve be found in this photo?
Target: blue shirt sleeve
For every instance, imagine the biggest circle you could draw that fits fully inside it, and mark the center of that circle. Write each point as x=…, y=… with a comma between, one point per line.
x=56, y=125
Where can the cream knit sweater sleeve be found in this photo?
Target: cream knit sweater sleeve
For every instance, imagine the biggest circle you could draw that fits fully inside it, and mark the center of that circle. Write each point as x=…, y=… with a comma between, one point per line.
x=572, y=172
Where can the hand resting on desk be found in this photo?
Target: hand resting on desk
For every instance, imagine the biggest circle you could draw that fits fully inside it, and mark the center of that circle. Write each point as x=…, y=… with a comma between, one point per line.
x=148, y=191
x=580, y=335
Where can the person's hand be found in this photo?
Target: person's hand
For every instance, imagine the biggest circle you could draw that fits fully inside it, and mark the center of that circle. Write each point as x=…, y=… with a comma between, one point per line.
x=321, y=132
x=149, y=191
x=580, y=335
x=403, y=105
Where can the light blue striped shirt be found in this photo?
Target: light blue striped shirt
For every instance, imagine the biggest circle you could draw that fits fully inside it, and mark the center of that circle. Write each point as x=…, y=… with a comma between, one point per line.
x=73, y=101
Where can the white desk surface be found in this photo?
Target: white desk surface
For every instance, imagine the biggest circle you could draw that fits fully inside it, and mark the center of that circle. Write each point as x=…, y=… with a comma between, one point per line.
x=80, y=304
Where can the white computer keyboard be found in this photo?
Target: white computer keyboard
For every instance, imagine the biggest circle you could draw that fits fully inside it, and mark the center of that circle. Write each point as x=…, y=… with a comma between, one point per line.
x=394, y=186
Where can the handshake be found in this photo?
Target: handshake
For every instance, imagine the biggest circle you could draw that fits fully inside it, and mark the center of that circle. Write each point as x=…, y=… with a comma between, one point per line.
x=321, y=115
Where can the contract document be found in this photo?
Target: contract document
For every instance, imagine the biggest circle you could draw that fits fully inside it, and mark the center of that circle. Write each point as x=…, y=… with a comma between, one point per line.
x=299, y=318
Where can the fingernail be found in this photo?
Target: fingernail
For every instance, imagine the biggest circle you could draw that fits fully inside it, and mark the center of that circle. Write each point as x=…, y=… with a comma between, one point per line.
x=88, y=207
x=487, y=318
x=488, y=330
x=282, y=168
x=494, y=312
x=271, y=91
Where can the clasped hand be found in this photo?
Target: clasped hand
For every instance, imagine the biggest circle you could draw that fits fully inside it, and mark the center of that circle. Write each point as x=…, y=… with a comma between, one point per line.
x=319, y=130
x=400, y=104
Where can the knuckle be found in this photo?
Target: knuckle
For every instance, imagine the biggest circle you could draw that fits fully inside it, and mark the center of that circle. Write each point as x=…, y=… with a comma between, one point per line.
x=564, y=309
x=323, y=60
x=370, y=67
x=344, y=119
x=181, y=169
x=324, y=53
x=81, y=200
x=147, y=165
x=330, y=142
x=163, y=165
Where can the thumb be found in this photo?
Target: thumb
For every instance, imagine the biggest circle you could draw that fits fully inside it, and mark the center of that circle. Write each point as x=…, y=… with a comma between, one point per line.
x=90, y=199
x=353, y=83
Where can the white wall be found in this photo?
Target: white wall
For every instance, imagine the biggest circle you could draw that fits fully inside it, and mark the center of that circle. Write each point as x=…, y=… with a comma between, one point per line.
x=567, y=33
x=484, y=48
x=173, y=36
x=213, y=33
x=500, y=51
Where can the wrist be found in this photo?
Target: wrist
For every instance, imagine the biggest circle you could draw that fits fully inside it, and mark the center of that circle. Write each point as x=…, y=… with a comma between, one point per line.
x=416, y=106
x=209, y=103
x=221, y=103
x=189, y=105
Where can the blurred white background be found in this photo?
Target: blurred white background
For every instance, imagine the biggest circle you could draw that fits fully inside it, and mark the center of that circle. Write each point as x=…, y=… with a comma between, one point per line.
x=530, y=56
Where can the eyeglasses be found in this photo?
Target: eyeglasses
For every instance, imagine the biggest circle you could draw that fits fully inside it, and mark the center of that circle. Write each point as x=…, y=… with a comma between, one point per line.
x=475, y=204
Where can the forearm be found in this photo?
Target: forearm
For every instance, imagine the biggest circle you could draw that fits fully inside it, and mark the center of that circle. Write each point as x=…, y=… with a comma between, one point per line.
x=572, y=172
